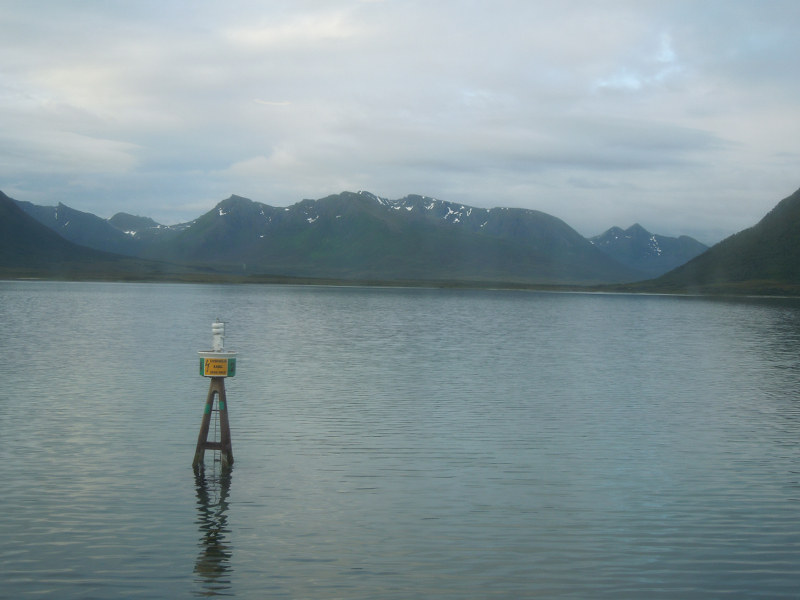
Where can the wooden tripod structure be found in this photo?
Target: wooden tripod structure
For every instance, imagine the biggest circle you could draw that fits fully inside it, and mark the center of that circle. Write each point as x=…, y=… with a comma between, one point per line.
x=215, y=390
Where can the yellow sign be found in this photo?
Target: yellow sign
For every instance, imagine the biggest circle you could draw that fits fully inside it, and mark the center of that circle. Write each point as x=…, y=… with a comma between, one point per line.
x=215, y=367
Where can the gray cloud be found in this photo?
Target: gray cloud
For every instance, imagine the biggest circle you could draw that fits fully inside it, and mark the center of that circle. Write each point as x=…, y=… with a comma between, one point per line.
x=682, y=116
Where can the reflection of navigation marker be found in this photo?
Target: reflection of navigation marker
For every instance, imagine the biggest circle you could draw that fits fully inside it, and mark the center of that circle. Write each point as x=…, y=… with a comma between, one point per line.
x=213, y=565
x=217, y=364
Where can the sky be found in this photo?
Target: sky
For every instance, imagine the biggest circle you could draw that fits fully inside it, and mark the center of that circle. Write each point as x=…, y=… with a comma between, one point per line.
x=681, y=116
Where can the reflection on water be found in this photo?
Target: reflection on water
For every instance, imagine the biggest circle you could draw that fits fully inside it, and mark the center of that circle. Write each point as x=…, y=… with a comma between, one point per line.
x=213, y=567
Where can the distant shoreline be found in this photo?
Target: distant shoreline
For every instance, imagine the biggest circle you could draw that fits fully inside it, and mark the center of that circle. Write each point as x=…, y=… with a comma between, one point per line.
x=769, y=289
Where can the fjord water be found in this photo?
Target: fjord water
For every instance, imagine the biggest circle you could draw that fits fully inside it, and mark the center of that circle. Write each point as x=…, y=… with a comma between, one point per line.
x=399, y=443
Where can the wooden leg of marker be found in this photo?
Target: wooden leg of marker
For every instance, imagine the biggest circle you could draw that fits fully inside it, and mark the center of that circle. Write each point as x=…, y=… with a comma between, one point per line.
x=226, y=453
x=200, y=451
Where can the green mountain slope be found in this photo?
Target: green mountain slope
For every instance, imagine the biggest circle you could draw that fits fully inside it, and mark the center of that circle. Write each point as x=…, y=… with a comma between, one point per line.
x=30, y=249
x=765, y=257
x=83, y=228
x=121, y=234
x=649, y=253
x=27, y=244
x=359, y=235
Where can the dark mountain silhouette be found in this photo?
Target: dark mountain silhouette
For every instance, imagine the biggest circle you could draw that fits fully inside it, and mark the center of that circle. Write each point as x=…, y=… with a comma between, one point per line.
x=83, y=228
x=27, y=244
x=764, y=258
x=30, y=249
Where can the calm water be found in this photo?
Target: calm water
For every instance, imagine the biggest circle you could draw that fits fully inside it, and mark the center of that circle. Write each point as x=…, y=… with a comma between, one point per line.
x=399, y=444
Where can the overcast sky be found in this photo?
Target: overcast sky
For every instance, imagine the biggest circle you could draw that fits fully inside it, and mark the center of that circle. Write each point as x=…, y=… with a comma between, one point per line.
x=682, y=116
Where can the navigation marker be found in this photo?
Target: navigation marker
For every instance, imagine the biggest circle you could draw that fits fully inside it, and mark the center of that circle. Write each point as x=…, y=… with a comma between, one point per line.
x=217, y=364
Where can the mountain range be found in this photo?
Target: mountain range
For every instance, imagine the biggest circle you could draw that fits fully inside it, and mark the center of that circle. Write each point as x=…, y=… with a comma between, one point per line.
x=646, y=252
x=360, y=235
x=27, y=247
x=363, y=236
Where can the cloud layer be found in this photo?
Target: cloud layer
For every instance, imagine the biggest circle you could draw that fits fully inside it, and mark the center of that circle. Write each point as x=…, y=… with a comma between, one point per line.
x=683, y=116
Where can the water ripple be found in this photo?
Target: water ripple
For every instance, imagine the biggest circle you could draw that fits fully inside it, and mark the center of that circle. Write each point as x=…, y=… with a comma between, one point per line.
x=400, y=444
